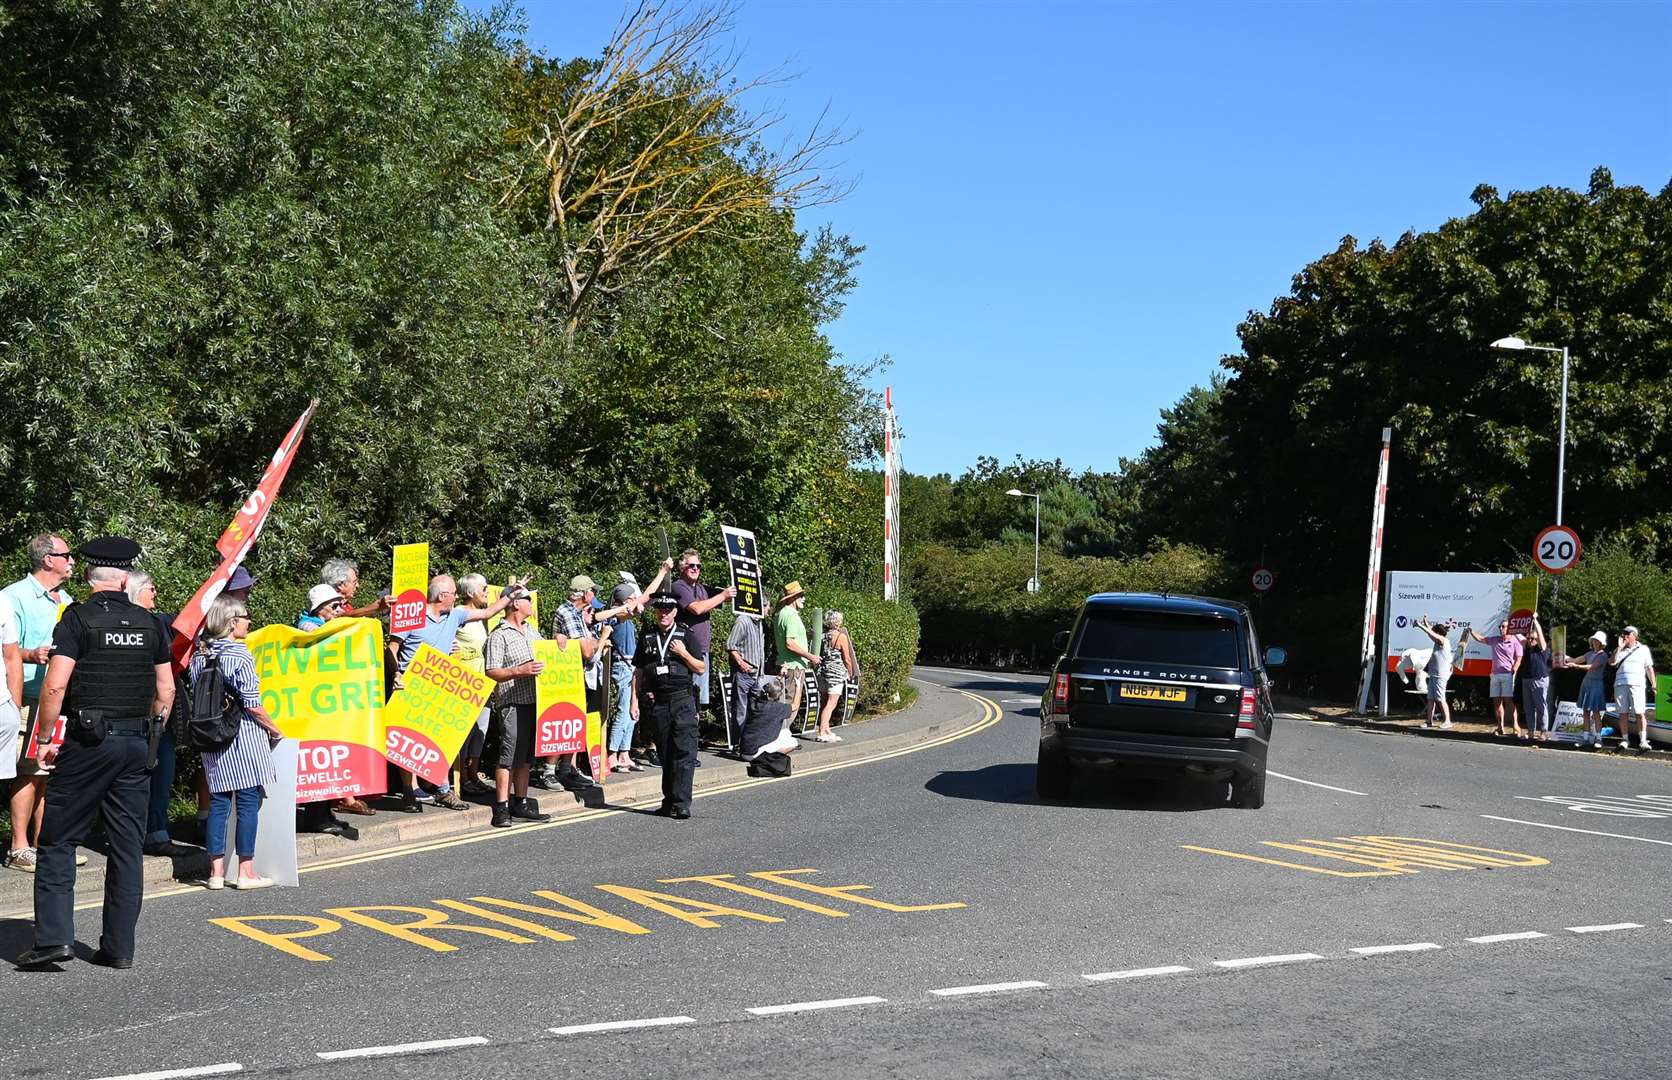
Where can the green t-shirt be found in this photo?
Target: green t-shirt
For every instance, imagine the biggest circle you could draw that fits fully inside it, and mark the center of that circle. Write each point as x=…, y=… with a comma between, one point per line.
x=787, y=627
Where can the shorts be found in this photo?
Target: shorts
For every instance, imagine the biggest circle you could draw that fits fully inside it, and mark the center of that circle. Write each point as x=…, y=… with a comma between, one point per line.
x=1437, y=686
x=1631, y=698
x=516, y=735
x=832, y=687
x=1503, y=685
x=10, y=722
x=26, y=763
x=476, y=737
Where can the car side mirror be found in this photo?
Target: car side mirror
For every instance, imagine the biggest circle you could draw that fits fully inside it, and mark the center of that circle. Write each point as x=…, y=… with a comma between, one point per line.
x=1059, y=641
x=1276, y=656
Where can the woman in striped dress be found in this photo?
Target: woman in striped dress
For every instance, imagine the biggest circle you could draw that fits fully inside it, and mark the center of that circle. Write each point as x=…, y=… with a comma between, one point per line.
x=238, y=772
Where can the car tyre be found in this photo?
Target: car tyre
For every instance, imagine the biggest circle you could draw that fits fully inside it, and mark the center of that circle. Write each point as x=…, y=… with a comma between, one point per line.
x=1054, y=776
x=1249, y=793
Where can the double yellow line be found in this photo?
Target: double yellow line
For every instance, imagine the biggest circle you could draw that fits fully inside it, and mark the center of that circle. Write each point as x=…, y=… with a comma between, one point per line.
x=990, y=715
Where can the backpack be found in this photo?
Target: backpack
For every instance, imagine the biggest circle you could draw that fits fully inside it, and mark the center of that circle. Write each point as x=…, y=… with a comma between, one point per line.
x=215, y=713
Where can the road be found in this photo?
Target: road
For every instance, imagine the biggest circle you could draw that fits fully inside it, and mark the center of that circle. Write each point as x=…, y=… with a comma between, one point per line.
x=1401, y=907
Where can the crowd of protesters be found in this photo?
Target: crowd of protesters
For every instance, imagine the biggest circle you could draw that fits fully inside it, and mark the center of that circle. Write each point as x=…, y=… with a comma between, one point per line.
x=1520, y=681
x=654, y=667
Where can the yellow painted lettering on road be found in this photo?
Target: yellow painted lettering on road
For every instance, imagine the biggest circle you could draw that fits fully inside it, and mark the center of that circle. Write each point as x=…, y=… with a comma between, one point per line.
x=507, y=920
x=696, y=912
x=723, y=881
x=1385, y=856
x=314, y=927
x=576, y=911
x=428, y=919
x=844, y=892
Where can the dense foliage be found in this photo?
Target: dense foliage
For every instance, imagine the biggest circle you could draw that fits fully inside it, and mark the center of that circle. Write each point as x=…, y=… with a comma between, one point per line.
x=214, y=210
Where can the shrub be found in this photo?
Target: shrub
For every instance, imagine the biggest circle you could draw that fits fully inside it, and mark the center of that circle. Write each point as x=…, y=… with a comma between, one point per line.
x=1611, y=587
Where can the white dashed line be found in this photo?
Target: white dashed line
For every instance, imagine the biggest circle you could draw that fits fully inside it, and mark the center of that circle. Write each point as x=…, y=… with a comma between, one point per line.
x=169, y=1074
x=1603, y=928
x=402, y=1048
x=1137, y=973
x=1493, y=939
x=1262, y=961
x=1314, y=783
x=1570, y=828
x=1378, y=950
x=989, y=988
x=814, y=1006
x=623, y=1025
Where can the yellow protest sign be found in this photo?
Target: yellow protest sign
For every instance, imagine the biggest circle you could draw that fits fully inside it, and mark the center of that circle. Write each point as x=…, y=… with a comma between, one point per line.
x=410, y=587
x=559, y=700
x=324, y=688
x=428, y=718
x=595, y=745
x=1523, y=604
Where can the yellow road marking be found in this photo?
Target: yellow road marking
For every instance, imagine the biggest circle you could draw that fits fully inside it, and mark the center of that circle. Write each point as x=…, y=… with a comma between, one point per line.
x=991, y=714
x=1388, y=856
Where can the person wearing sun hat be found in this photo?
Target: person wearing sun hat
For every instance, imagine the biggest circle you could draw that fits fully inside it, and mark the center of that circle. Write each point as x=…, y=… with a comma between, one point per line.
x=789, y=635
x=1593, y=693
x=324, y=604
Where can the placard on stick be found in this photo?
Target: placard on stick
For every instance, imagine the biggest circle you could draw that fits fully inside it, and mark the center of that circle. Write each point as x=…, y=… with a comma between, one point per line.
x=743, y=557
x=410, y=587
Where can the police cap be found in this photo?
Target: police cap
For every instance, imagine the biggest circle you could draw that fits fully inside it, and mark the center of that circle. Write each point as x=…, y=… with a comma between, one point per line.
x=117, y=551
x=664, y=598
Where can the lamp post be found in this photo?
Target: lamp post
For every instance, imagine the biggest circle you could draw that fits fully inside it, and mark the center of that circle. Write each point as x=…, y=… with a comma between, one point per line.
x=1515, y=344
x=1033, y=582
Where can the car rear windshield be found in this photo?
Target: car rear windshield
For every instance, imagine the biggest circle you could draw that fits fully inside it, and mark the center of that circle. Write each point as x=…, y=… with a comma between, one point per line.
x=1157, y=637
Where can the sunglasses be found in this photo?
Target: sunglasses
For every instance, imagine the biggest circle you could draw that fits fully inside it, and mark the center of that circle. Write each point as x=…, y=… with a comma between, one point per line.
x=60, y=555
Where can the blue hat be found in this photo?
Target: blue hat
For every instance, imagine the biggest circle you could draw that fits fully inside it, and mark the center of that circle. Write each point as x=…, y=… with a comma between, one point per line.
x=241, y=579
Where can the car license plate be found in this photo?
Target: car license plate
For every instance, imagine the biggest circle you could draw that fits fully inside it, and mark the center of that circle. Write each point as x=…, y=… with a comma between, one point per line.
x=1143, y=692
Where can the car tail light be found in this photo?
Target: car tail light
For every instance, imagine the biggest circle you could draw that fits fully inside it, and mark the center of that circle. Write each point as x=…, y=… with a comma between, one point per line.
x=1059, y=692
x=1245, y=716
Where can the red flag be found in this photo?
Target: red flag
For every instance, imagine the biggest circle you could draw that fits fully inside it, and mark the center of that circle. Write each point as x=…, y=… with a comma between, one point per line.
x=239, y=537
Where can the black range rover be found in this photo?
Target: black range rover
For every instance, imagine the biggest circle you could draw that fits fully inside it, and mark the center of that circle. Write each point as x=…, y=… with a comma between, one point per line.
x=1165, y=682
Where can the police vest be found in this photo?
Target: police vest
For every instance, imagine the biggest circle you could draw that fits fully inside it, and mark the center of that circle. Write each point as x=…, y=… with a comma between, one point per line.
x=653, y=653
x=117, y=671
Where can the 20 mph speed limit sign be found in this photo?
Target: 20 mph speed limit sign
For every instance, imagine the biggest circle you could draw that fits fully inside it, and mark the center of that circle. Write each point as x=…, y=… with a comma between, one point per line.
x=1556, y=551
x=1262, y=579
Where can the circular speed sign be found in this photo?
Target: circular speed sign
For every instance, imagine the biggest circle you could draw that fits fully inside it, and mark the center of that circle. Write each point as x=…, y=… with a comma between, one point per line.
x=1262, y=579
x=1556, y=550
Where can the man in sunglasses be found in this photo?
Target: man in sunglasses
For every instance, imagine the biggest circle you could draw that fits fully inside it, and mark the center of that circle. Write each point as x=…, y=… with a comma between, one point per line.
x=36, y=600
x=696, y=602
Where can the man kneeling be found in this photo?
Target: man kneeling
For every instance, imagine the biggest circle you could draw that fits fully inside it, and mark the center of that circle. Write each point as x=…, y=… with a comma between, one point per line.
x=767, y=742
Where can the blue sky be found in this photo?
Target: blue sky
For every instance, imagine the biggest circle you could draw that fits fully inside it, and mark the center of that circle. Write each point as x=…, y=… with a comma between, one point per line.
x=1068, y=207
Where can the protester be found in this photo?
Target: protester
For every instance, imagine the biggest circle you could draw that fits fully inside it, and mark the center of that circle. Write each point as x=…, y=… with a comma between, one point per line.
x=766, y=742
x=344, y=576
x=836, y=666
x=1439, y=673
x=239, y=772
x=1535, y=683
x=508, y=659
x=36, y=601
x=746, y=645
x=11, y=693
x=696, y=605
x=111, y=676
x=238, y=586
x=579, y=620
x=665, y=666
x=789, y=637
x=1506, y=661
x=622, y=723
x=324, y=604
x=142, y=591
x=472, y=639
x=1593, y=692
x=1634, y=672
x=442, y=620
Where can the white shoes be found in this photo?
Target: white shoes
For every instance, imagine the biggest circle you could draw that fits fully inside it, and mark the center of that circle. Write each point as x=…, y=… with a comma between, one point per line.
x=251, y=883
x=217, y=883
x=1447, y=726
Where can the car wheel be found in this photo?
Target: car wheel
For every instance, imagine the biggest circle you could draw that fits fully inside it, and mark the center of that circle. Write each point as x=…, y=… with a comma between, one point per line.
x=1054, y=776
x=1249, y=793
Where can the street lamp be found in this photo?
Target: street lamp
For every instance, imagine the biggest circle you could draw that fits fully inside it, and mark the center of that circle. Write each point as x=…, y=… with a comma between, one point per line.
x=1033, y=582
x=1515, y=344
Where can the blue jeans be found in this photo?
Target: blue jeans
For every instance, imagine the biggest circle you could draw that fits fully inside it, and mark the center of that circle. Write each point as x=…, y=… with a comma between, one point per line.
x=621, y=725
x=162, y=789
x=220, y=808
x=699, y=683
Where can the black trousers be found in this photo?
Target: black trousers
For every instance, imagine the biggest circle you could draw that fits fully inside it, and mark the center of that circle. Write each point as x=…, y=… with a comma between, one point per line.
x=110, y=777
x=675, y=725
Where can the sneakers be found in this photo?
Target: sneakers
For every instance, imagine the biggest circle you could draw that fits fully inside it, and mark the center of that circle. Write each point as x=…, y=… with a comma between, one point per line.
x=527, y=810
x=501, y=815
x=21, y=859
x=545, y=782
x=1643, y=743
x=420, y=795
x=1447, y=726
x=450, y=800
x=246, y=883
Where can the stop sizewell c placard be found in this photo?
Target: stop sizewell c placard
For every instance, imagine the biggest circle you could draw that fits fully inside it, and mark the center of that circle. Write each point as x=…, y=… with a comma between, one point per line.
x=428, y=719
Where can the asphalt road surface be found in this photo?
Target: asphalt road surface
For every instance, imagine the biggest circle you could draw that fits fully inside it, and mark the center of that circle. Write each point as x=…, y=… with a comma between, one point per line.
x=1401, y=907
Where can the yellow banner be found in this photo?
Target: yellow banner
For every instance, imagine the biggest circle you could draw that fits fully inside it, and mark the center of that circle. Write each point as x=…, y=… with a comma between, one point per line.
x=324, y=688
x=1523, y=604
x=410, y=587
x=559, y=700
x=428, y=718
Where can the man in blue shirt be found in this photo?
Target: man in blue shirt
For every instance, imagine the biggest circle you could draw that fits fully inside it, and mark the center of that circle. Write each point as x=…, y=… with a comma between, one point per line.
x=36, y=601
x=442, y=620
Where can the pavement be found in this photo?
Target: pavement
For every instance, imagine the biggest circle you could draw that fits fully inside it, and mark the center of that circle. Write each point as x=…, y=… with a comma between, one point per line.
x=1400, y=907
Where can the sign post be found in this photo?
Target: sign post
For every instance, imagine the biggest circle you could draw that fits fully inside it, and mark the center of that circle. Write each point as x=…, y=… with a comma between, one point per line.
x=410, y=587
x=1378, y=517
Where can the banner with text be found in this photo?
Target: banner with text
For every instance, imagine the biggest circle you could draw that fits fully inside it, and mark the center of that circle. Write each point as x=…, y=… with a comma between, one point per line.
x=1523, y=604
x=1479, y=601
x=595, y=746
x=744, y=558
x=560, y=725
x=324, y=688
x=429, y=717
x=410, y=588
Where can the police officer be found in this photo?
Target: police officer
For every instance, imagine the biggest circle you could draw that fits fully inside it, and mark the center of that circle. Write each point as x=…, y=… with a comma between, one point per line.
x=664, y=667
x=109, y=676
